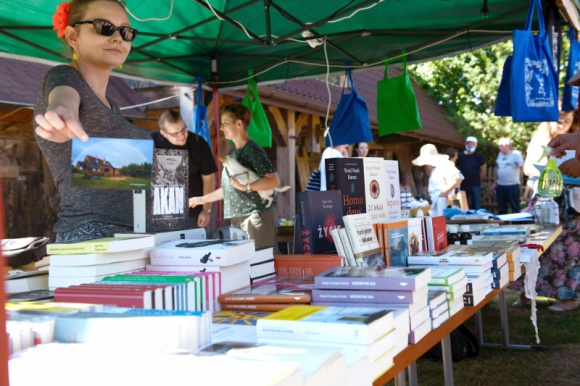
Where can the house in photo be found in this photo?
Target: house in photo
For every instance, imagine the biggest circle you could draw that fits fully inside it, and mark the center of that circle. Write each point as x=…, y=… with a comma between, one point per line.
x=94, y=166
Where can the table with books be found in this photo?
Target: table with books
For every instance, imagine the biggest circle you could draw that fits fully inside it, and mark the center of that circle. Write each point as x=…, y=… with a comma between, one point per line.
x=407, y=357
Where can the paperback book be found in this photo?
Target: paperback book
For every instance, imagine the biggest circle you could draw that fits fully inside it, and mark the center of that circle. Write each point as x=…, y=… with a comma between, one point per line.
x=393, y=196
x=104, y=245
x=347, y=176
x=318, y=213
x=368, y=296
x=305, y=265
x=359, y=278
x=363, y=239
x=214, y=252
x=376, y=189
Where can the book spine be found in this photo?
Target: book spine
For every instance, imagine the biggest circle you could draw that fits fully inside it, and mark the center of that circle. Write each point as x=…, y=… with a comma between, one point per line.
x=338, y=243
x=387, y=249
x=347, y=247
x=265, y=307
x=353, y=241
x=271, y=298
x=439, y=280
x=306, y=234
x=379, y=233
x=362, y=296
x=305, y=266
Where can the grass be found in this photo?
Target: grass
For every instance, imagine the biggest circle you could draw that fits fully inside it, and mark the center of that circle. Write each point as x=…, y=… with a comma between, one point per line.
x=557, y=365
x=78, y=181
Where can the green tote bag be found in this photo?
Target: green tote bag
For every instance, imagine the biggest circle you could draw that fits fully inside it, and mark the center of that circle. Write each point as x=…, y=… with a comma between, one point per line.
x=259, y=129
x=396, y=104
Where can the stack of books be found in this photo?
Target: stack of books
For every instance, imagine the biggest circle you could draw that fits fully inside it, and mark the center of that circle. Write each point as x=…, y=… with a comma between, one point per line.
x=235, y=326
x=231, y=258
x=357, y=242
x=269, y=295
x=438, y=307
x=262, y=264
x=452, y=281
x=305, y=266
x=378, y=287
x=360, y=328
x=90, y=261
x=476, y=290
x=510, y=246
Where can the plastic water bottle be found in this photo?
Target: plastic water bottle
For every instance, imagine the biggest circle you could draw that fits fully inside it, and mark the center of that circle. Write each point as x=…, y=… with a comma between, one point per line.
x=546, y=211
x=550, y=183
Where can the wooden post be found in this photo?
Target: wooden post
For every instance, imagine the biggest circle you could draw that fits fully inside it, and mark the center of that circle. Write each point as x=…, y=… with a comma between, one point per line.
x=4, y=379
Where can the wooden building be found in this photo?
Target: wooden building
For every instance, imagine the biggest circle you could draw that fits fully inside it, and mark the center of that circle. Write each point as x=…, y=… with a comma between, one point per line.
x=296, y=110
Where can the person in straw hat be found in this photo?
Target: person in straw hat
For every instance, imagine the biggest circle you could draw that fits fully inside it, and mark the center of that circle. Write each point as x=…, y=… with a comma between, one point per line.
x=444, y=178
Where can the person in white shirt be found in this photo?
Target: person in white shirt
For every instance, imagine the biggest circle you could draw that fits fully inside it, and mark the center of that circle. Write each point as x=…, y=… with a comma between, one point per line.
x=445, y=177
x=329, y=152
x=507, y=185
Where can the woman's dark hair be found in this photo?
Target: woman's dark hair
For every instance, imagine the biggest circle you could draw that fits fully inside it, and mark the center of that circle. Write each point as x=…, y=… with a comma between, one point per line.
x=355, y=149
x=451, y=152
x=238, y=111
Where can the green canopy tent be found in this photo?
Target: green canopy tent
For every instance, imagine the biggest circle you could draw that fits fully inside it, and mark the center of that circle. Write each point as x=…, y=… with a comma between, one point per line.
x=179, y=39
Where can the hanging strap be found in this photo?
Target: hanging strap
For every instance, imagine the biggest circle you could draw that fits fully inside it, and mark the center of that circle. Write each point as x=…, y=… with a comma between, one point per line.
x=252, y=86
x=386, y=76
x=536, y=4
x=199, y=92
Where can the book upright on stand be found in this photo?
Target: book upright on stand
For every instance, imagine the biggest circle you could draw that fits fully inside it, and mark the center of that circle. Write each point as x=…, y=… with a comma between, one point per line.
x=393, y=196
x=347, y=176
x=318, y=213
x=363, y=239
x=376, y=189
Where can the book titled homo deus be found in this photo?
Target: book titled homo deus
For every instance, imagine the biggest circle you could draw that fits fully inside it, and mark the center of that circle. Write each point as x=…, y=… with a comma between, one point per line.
x=347, y=175
x=318, y=213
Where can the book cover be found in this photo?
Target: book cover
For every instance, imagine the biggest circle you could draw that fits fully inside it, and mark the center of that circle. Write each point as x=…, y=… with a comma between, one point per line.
x=261, y=307
x=453, y=288
x=436, y=232
x=167, y=201
x=363, y=239
x=305, y=265
x=368, y=296
x=507, y=231
x=356, y=325
x=338, y=243
x=104, y=245
x=475, y=284
x=140, y=297
x=436, y=298
x=358, y=278
x=278, y=292
x=393, y=197
x=398, y=243
x=376, y=189
x=450, y=258
x=26, y=281
x=211, y=252
x=318, y=213
x=415, y=235
x=347, y=176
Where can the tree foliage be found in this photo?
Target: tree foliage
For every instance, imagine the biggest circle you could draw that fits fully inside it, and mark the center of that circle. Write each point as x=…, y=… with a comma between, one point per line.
x=466, y=87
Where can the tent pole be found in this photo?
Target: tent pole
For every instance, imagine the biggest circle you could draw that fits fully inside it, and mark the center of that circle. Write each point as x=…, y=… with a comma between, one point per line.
x=216, y=124
x=4, y=379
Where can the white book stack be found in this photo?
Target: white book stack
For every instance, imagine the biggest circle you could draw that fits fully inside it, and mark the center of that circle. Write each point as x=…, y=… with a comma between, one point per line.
x=455, y=306
x=262, y=264
x=68, y=269
x=230, y=257
x=438, y=308
x=476, y=290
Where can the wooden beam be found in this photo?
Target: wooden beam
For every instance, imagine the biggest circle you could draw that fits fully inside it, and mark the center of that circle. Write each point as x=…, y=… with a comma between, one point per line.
x=16, y=130
x=280, y=126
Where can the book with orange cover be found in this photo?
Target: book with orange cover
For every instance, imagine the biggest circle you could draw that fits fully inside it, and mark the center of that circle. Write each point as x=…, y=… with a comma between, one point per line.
x=305, y=265
x=271, y=292
x=263, y=307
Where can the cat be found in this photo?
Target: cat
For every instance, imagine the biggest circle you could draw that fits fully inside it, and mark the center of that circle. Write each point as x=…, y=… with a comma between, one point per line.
x=245, y=176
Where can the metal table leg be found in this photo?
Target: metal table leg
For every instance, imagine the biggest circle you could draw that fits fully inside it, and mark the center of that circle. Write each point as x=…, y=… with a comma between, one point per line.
x=400, y=379
x=413, y=379
x=447, y=361
x=478, y=327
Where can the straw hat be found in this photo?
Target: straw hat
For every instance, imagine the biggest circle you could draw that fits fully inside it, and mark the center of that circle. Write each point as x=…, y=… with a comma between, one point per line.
x=429, y=156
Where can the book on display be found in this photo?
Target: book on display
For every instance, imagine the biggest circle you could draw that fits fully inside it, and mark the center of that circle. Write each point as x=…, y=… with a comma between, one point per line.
x=363, y=238
x=355, y=325
x=459, y=286
x=213, y=252
x=445, y=276
x=376, y=189
x=346, y=175
x=393, y=278
x=88, y=259
x=103, y=245
x=450, y=258
x=305, y=265
x=270, y=293
x=99, y=269
x=368, y=296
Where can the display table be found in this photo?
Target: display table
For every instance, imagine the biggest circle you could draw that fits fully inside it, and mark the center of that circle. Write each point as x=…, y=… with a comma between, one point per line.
x=409, y=355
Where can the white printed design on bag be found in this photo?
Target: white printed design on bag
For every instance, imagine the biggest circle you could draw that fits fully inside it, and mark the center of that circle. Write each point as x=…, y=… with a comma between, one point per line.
x=537, y=93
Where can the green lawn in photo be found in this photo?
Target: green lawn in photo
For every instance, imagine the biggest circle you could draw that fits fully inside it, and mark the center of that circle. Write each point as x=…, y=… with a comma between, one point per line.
x=119, y=182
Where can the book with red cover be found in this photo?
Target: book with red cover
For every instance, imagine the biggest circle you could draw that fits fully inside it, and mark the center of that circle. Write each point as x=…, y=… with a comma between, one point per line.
x=436, y=233
x=139, y=297
x=162, y=294
x=305, y=265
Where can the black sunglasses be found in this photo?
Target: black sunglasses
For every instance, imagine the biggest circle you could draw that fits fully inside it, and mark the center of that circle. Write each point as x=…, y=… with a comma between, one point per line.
x=105, y=28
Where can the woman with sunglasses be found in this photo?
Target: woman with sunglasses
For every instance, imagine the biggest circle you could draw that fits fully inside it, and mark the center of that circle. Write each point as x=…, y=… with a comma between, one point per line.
x=71, y=102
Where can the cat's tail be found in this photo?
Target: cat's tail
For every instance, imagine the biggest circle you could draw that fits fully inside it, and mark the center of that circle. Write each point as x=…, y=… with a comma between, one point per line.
x=282, y=189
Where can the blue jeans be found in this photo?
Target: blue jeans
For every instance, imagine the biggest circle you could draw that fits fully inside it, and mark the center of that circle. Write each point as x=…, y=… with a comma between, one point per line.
x=474, y=197
x=508, y=194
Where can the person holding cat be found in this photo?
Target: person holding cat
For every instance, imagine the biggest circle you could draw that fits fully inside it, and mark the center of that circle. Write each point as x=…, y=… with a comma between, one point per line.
x=242, y=204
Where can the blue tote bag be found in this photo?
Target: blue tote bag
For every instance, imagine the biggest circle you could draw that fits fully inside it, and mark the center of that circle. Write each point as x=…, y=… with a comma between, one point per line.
x=533, y=78
x=351, y=122
x=570, y=97
x=503, y=104
x=200, y=126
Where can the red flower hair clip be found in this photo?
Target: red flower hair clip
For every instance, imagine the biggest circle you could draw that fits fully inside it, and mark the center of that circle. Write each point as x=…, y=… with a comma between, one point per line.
x=60, y=18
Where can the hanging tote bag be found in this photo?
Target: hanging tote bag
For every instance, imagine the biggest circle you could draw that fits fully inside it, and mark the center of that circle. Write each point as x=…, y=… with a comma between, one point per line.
x=351, y=122
x=259, y=129
x=533, y=80
x=397, y=109
x=570, y=97
x=200, y=126
x=503, y=105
